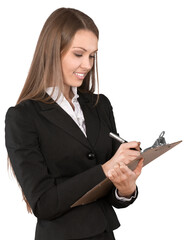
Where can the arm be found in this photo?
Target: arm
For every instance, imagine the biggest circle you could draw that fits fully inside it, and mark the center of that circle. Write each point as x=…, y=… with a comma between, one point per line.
x=47, y=199
x=115, y=169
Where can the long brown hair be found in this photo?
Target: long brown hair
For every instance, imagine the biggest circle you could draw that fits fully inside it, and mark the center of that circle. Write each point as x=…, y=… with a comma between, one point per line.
x=55, y=38
x=46, y=70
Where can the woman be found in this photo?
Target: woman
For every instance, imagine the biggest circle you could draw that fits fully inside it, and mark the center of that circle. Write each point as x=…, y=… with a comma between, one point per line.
x=57, y=136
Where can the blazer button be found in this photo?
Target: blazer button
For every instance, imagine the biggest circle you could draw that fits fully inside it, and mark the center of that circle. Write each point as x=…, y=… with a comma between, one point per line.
x=91, y=156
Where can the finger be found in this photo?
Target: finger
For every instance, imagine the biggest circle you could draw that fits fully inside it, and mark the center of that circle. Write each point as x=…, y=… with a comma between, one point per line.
x=133, y=153
x=112, y=174
x=138, y=148
x=117, y=169
x=125, y=170
x=132, y=144
x=138, y=169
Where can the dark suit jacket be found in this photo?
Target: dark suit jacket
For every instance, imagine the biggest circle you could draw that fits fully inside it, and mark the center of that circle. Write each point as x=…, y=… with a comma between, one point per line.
x=55, y=164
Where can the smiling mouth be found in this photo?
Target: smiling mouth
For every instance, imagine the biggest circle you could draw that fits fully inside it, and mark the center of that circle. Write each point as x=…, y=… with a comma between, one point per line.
x=80, y=76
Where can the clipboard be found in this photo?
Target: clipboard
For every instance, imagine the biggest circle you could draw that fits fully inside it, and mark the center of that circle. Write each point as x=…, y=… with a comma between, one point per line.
x=102, y=189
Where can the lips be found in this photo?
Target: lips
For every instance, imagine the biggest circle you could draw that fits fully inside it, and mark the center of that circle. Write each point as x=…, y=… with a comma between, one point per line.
x=80, y=76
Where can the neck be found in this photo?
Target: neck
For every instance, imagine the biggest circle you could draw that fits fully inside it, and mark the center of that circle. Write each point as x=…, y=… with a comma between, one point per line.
x=67, y=92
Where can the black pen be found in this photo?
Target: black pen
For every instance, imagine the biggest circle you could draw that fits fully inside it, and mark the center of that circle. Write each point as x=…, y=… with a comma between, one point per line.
x=119, y=139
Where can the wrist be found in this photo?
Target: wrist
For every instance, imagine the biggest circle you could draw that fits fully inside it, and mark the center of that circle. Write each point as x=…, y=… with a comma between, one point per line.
x=126, y=199
x=107, y=166
x=127, y=194
x=105, y=169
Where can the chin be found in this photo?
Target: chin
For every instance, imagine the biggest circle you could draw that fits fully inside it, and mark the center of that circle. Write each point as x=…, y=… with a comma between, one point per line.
x=77, y=84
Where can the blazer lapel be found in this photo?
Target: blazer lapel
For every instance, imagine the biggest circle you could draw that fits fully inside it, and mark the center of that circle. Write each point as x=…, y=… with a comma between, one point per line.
x=91, y=117
x=55, y=114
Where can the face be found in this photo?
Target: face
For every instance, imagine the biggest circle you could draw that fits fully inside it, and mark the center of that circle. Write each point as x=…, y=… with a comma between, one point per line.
x=79, y=58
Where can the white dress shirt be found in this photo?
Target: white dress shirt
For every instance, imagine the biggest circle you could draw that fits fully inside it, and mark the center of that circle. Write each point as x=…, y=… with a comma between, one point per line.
x=76, y=115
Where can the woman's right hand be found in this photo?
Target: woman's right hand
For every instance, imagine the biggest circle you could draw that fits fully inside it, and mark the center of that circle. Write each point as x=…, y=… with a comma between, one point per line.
x=124, y=154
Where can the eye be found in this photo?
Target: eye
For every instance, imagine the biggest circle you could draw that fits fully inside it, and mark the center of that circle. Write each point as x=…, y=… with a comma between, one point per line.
x=78, y=55
x=92, y=56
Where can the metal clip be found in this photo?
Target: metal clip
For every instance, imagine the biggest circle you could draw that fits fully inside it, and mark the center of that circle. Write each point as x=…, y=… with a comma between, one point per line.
x=159, y=142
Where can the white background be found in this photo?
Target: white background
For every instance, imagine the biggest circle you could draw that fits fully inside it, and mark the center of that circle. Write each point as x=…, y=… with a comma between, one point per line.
x=143, y=59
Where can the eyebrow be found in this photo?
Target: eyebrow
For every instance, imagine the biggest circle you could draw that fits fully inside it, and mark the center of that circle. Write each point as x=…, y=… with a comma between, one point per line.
x=85, y=49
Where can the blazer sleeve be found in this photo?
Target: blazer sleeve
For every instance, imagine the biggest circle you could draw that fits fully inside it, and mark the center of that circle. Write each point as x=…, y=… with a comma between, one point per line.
x=110, y=120
x=47, y=199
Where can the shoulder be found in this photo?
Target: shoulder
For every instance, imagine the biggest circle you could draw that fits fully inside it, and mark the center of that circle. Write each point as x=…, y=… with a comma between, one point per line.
x=93, y=98
x=104, y=100
x=21, y=110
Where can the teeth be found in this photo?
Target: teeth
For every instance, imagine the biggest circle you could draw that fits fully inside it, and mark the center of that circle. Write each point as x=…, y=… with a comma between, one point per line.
x=80, y=74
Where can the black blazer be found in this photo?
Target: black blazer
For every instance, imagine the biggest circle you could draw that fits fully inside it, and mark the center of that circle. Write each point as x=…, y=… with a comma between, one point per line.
x=55, y=164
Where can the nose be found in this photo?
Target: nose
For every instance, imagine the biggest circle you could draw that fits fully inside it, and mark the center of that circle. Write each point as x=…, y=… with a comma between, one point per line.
x=87, y=63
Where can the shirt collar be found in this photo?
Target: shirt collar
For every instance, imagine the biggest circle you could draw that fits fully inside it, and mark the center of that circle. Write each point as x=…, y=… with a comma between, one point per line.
x=75, y=92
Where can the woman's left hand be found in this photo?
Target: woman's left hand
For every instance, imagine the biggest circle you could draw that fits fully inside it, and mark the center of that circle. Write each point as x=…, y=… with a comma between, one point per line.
x=124, y=179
